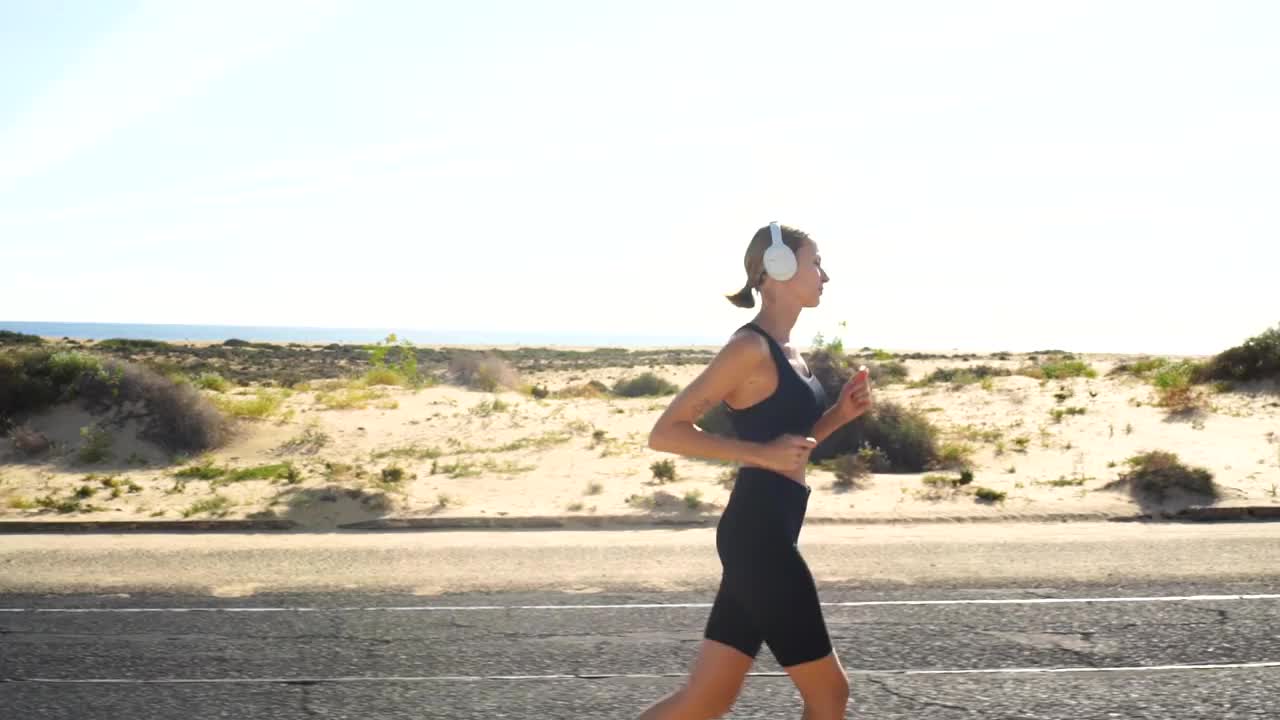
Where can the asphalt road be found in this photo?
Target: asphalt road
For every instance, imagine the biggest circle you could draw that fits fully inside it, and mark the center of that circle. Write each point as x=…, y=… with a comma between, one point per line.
x=1118, y=647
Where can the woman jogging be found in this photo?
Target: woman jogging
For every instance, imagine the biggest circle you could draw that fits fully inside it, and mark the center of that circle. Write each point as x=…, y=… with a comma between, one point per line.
x=779, y=413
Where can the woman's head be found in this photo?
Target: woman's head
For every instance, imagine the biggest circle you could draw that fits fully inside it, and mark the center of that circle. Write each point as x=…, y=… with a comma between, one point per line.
x=802, y=288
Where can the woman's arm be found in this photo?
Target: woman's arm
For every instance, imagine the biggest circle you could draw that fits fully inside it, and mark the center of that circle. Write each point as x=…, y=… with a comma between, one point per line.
x=833, y=419
x=687, y=439
x=853, y=401
x=675, y=431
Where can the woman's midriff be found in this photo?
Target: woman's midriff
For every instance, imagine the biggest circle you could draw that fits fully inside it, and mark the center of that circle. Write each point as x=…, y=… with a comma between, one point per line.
x=765, y=509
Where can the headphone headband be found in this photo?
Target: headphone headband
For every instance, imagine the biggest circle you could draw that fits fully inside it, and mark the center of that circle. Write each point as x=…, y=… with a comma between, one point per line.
x=776, y=233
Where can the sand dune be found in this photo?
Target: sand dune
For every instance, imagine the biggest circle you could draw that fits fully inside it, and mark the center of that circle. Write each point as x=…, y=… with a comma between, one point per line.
x=584, y=457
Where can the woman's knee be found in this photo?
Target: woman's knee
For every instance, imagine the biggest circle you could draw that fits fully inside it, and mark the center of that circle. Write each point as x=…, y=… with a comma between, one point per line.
x=829, y=700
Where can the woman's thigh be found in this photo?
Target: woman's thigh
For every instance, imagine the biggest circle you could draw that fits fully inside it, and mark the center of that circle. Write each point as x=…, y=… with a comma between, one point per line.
x=793, y=625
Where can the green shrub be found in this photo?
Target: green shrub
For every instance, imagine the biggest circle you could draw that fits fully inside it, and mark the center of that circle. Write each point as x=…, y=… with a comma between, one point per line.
x=130, y=346
x=1140, y=367
x=177, y=417
x=664, y=471
x=1153, y=476
x=212, y=381
x=905, y=437
x=954, y=455
x=33, y=378
x=482, y=371
x=965, y=375
x=217, y=506
x=1058, y=368
x=850, y=470
x=262, y=404
x=9, y=337
x=1258, y=358
x=693, y=499
x=887, y=373
x=989, y=495
x=97, y=444
x=203, y=471
x=646, y=384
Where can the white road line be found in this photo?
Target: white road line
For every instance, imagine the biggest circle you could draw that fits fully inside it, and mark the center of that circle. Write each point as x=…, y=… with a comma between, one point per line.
x=622, y=676
x=654, y=606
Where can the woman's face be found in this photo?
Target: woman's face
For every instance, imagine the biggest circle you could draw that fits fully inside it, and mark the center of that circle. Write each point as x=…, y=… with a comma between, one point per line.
x=806, y=284
x=805, y=287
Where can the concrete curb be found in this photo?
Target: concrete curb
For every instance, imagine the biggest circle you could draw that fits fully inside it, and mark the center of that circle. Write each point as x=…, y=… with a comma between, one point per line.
x=1248, y=513
x=575, y=522
x=148, y=526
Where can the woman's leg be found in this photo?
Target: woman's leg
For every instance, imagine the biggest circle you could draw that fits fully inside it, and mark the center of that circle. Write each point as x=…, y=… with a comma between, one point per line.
x=797, y=636
x=730, y=643
x=824, y=686
x=712, y=686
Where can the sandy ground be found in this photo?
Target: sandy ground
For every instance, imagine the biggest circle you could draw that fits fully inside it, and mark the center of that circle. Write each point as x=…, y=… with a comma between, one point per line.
x=529, y=457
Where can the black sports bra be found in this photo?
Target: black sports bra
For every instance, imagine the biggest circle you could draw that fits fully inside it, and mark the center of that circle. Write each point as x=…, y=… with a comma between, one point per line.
x=793, y=407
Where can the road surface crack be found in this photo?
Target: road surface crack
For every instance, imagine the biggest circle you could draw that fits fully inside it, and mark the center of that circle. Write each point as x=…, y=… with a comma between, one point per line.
x=918, y=701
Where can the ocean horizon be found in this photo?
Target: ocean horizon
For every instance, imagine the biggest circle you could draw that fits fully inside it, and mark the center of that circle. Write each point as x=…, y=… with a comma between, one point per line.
x=285, y=334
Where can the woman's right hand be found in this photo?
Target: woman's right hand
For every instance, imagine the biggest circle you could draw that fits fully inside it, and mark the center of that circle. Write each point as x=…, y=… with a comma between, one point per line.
x=786, y=454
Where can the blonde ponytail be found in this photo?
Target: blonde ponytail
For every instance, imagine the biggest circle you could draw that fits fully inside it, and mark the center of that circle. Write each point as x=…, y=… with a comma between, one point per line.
x=744, y=297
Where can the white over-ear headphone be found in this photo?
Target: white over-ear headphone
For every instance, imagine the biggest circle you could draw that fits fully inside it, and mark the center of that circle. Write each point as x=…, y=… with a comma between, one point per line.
x=779, y=261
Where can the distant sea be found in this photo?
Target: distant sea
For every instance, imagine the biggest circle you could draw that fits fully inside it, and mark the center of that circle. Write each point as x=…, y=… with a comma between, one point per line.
x=262, y=333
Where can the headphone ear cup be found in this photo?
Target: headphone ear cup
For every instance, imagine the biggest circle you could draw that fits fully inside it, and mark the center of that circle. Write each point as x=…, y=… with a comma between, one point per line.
x=780, y=262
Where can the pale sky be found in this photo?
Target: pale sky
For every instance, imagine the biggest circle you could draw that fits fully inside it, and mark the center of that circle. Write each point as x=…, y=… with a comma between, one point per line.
x=1094, y=176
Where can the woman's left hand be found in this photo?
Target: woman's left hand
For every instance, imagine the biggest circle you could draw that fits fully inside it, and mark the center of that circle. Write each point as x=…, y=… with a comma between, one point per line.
x=855, y=396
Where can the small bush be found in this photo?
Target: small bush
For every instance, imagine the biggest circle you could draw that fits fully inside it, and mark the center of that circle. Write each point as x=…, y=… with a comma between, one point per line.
x=309, y=442
x=1173, y=383
x=1155, y=475
x=278, y=471
x=393, y=474
x=218, y=506
x=647, y=384
x=384, y=376
x=905, y=437
x=954, y=455
x=1058, y=368
x=988, y=495
x=1140, y=367
x=1059, y=413
x=693, y=499
x=966, y=375
x=481, y=371
x=349, y=397
x=29, y=442
x=97, y=444
x=850, y=471
x=592, y=390
x=177, y=417
x=212, y=381
x=203, y=471
x=262, y=404
x=664, y=471
x=940, y=481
